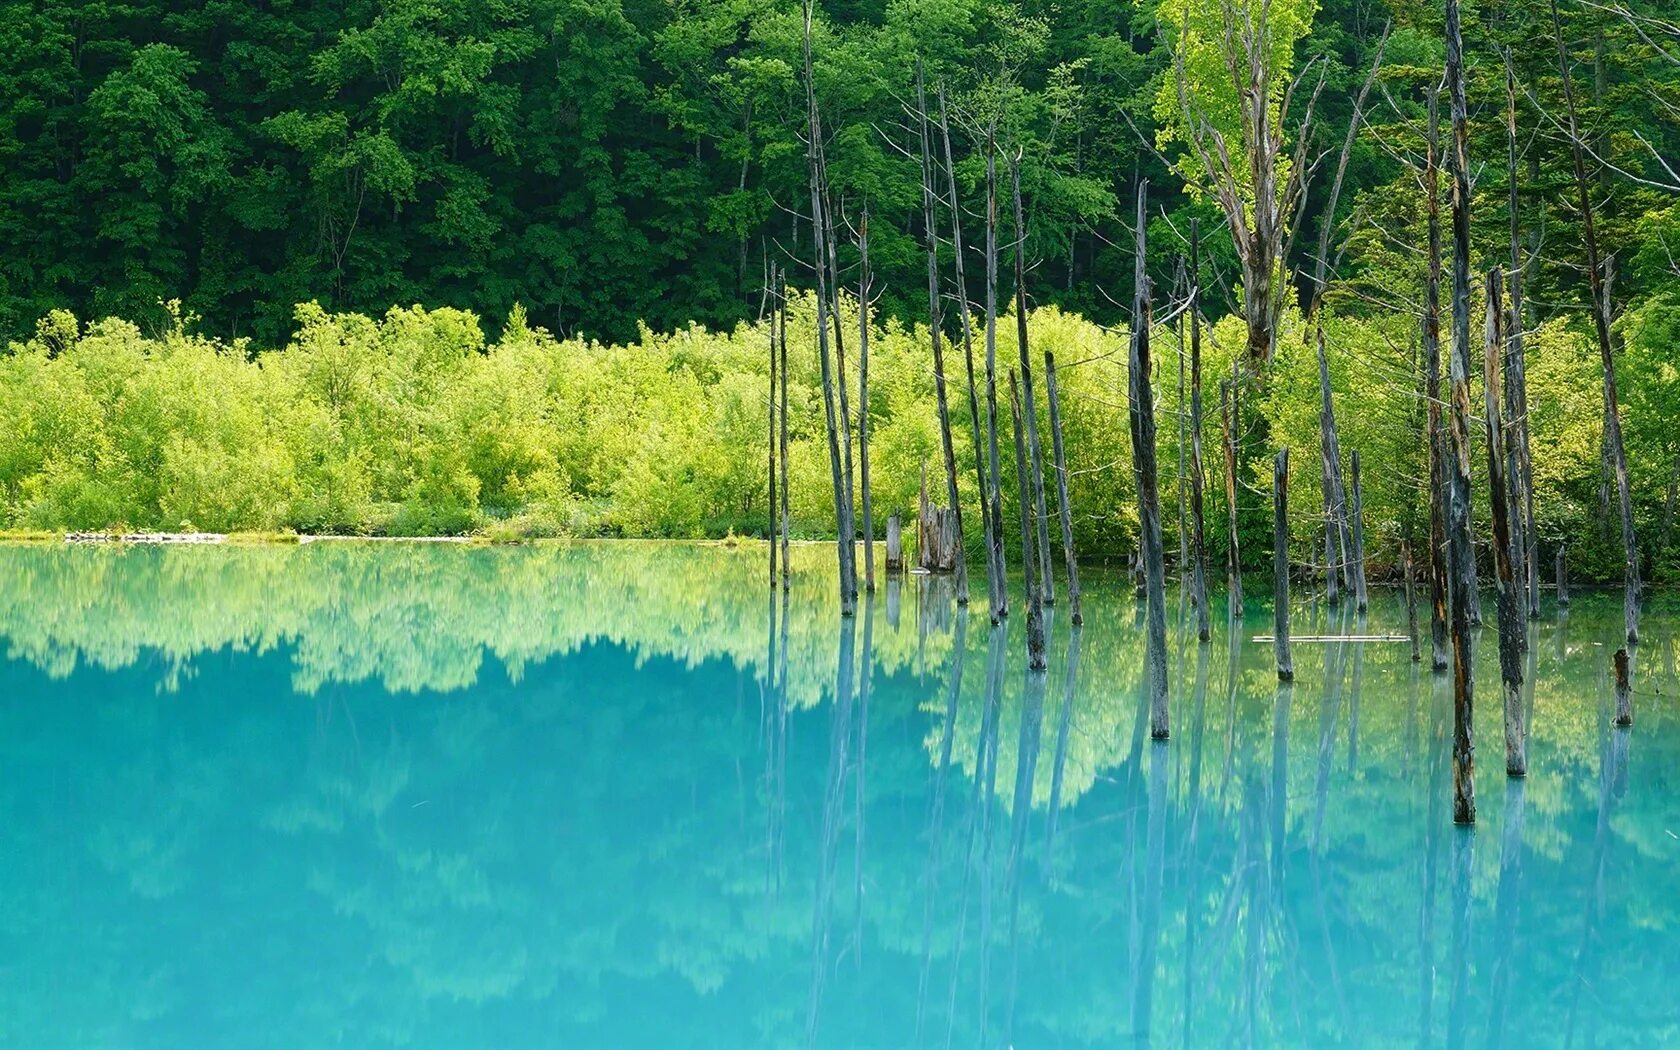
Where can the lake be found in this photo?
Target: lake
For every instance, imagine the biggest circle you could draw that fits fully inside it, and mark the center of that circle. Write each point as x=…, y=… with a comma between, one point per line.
x=615, y=795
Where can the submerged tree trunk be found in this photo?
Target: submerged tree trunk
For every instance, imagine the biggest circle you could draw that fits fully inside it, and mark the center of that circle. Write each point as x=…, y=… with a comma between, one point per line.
x=1035, y=450
x=813, y=151
x=1063, y=508
x=1458, y=503
x=1408, y=571
x=782, y=438
x=1601, y=325
x=1337, y=554
x=1198, y=479
x=1624, y=691
x=863, y=403
x=775, y=314
x=1230, y=407
x=1362, y=598
x=1280, y=566
x=990, y=526
x=1436, y=436
x=994, y=470
x=1511, y=618
x=1029, y=557
x=1524, y=540
x=936, y=322
x=1145, y=473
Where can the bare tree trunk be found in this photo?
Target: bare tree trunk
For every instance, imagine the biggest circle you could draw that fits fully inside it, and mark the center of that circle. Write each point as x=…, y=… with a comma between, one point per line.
x=1336, y=553
x=1362, y=596
x=1145, y=473
x=813, y=149
x=1063, y=507
x=1181, y=295
x=863, y=403
x=1280, y=566
x=1562, y=581
x=990, y=526
x=1035, y=450
x=1511, y=618
x=1230, y=407
x=1000, y=608
x=1601, y=323
x=775, y=315
x=936, y=322
x=1458, y=503
x=1624, y=691
x=1516, y=378
x=832, y=239
x=1029, y=557
x=1438, y=589
x=1198, y=536
x=781, y=339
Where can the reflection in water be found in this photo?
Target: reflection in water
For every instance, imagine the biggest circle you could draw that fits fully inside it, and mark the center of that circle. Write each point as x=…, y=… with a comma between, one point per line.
x=452, y=796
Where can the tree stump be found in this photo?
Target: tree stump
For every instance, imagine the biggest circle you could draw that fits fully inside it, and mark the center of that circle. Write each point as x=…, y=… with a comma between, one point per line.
x=895, y=544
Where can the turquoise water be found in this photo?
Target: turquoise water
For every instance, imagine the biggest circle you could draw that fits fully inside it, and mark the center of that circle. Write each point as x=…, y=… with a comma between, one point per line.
x=608, y=795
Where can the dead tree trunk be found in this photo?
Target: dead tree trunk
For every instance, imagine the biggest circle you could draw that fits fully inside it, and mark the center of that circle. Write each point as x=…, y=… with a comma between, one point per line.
x=1436, y=436
x=1516, y=378
x=1511, y=618
x=1336, y=545
x=775, y=314
x=995, y=583
x=782, y=437
x=1356, y=508
x=936, y=322
x=813, y=153
x=1063, y=508
x=832, y=239
x=1145, y=473
x=1458, y=503
x=1280, y=567
x=1035, y=450
x=994, y=470
x=895, y=544
x=1624, y=691
x=1029, y=557
x=863, y=403
x=1198, y=479
x=1601, y=324
x=937, y=548
x=1230, y=407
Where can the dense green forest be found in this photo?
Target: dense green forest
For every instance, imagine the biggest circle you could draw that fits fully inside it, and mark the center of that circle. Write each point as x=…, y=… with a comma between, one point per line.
x=605, y=185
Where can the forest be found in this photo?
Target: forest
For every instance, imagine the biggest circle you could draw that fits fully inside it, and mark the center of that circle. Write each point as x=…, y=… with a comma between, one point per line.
x=509, y=269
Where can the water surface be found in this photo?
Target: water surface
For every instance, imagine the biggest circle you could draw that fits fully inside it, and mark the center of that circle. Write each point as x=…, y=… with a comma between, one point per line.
x=618, y=795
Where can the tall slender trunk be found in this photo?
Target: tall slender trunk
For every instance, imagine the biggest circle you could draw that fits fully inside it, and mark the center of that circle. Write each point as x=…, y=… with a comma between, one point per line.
x=1356, y=514
x=1145, y=472
x=813, y=148
x=831, y=238
x=990, y=526
x=1062, y=506
x=1458, y=504
x=781, y=339
x=1035, y=450
x=936, y=323
x=863, y=403
x=775, y=315
x=1231, y=407
x=1523, y=538
x=1601, y=324
x=1511, y=619
x=1280, y=567
x=1336, y=543
x=1000, y=608
x=1436, y=436
x=1029, y=557
x=1198, y=531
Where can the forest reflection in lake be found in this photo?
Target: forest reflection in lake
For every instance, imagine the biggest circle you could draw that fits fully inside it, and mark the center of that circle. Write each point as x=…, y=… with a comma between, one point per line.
x=622, y=795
